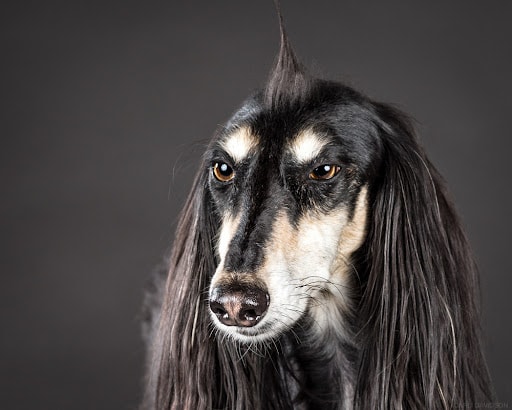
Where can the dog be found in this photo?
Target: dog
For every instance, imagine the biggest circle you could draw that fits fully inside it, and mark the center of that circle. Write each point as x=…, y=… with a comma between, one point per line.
x=319, y=263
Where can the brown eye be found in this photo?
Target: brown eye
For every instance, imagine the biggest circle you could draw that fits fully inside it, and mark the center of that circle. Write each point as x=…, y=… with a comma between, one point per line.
x=223, y=172
x=324, y=172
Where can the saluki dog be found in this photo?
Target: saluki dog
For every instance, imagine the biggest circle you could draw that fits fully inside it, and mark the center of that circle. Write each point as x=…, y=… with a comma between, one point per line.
x=318, y=264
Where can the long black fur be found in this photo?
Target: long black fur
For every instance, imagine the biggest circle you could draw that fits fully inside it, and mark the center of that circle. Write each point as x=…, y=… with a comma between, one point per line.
x=416, y=315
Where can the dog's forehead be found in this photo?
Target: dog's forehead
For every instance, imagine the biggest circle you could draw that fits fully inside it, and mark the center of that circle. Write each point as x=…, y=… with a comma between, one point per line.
x=302, y=146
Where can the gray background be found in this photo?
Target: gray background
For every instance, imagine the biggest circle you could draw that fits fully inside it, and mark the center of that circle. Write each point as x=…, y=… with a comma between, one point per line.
x=105, y=110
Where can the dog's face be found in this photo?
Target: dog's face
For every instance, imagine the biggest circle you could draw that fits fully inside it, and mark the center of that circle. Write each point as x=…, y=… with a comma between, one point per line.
x=290, y=188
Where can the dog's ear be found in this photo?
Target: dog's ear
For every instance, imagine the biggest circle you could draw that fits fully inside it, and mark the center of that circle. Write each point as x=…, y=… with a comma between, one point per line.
x=181, y=363
x=419, y=305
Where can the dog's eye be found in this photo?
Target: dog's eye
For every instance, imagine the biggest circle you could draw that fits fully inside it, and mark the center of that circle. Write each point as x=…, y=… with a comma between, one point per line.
x=324, y=172
x=223, y=172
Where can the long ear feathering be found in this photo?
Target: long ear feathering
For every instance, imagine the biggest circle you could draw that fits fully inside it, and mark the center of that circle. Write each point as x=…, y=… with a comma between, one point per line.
x=181, y=328
x=420, y=303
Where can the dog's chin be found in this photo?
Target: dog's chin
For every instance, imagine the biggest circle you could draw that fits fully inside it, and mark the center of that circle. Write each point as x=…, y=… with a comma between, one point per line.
x=261, y=333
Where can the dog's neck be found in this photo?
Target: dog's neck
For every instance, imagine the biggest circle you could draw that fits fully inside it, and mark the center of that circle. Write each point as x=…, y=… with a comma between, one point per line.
x=325, y=358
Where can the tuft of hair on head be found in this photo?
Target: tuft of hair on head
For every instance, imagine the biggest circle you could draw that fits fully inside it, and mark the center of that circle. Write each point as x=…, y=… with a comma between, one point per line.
x=288, y=81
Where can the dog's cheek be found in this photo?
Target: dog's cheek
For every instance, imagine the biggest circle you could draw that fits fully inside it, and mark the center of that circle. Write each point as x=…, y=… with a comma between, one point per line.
x=353, y=235
x=318, y=238
x=299, y=259
x=326, y=242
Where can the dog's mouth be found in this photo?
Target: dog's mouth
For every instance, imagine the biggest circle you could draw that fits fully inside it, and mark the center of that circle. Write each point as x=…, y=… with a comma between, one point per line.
x=260, y=333
x=264, y=330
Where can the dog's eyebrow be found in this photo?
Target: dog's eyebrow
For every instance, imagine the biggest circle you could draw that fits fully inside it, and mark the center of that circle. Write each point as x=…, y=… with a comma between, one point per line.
x=239, y=144
x=306, y=146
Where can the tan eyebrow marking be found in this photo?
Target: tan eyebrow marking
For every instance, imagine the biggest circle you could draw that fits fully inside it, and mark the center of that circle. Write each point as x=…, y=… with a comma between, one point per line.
x=240, y=144
x=306, y=146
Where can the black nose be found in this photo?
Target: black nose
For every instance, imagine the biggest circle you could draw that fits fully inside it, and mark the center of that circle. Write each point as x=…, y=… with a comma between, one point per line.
x=240, y=305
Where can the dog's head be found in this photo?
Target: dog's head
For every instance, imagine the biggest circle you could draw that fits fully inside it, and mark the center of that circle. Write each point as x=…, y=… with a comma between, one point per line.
x=290, y=186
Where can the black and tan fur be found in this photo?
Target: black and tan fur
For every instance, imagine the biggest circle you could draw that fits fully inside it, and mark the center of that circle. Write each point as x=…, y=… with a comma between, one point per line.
x=364, y=289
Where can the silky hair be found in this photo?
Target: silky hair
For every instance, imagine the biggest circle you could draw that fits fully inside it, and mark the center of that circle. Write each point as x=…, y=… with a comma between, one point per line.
x=415, y=317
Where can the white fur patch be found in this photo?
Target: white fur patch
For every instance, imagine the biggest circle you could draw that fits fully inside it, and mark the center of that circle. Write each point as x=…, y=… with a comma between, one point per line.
x=239, y=144
x=306, y=146
x=229, y=224
x=227, y=232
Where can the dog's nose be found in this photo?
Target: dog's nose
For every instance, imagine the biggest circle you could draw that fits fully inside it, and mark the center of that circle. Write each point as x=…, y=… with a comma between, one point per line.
x=239, y=306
